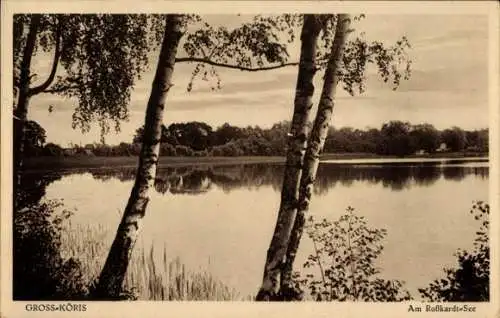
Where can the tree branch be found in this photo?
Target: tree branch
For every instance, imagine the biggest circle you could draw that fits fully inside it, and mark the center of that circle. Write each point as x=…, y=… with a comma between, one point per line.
x=59, y=89
x=236, y=67
x=57, y=55
x=319, y=262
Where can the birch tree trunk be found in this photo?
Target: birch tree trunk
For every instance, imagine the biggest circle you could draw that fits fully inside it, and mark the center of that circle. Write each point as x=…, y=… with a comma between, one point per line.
x=21, y=111
x=295, y=155
x=114, y=270
x=316, y=142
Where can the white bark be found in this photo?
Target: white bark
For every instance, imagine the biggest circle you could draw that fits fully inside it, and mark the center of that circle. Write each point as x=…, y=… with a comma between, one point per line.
x=295, y=154
x=112, y=276
x=317, y=139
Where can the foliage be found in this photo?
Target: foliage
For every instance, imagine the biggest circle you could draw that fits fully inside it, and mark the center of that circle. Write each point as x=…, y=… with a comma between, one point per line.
x=347, y=139
x=393, y=63
x=101, y=56
x=230, y=149
x=471, y=280
x=194, y=135
x=425, y=137
x=226, y=133
x=183, y=151
x=40, y=272
x=343, y=262
x=34, y=139
x=398, y=138
x=52, y=150
x=226, y=140
x=477, y=140
x=251, y=45
x=454, y=138
x=263, y=41
x=33, y=187
x=395, y=138
x=167, y=149
x=99, y=149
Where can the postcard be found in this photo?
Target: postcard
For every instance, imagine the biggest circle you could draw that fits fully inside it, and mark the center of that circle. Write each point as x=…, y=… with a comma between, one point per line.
x=216, y=158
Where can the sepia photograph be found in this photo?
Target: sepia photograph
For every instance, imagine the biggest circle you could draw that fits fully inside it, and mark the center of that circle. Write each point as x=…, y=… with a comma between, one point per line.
x=243, y=156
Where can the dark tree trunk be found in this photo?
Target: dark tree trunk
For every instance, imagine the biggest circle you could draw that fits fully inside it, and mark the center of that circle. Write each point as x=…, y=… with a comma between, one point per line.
x=112, y=276
x=21, y=110
x=316, y=140
x=295, y=154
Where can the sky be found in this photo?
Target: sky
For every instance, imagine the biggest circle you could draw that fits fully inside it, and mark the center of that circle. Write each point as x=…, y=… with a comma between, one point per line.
x=448, y=86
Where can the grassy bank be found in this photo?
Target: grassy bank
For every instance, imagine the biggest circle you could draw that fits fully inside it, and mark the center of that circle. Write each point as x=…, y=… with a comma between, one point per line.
x=36, y=163
x=334, y=156
x=152, y=274
x=104, y=162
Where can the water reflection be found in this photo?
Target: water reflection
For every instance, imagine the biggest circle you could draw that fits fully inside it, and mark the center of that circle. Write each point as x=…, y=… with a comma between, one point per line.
x=201, y=179
x=197, y=180
x=183, y=182
x=424, y=208
x=33, y=187
x=453, y=173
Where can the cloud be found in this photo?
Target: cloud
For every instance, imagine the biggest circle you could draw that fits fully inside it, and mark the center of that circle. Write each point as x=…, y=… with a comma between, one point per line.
x=449, y=84
x=476, y=33
x=471, y=79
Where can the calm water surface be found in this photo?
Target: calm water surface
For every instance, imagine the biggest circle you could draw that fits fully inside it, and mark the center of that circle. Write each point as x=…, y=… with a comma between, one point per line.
x=222, y=218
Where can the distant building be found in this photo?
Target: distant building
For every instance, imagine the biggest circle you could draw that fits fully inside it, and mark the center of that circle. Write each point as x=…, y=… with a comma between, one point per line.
x=88, y=152
x=442, y=147
x=69, y=152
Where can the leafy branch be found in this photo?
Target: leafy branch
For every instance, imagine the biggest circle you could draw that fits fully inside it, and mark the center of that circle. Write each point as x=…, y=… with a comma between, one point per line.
x=346, y=276
x=57, y=54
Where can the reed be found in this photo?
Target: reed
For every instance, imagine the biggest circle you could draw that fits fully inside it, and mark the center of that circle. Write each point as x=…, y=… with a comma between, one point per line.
x=151, y=275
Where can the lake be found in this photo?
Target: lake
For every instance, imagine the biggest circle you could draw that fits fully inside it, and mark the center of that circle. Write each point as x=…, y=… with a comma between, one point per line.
x=221, y=218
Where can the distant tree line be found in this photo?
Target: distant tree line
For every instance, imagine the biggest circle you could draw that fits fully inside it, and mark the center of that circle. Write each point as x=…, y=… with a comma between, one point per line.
x=402, y=138
x=200, y=139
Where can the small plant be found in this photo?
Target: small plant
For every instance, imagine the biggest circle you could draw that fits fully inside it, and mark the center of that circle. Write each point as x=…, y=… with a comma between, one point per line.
x=341, y=268
x=470, y=281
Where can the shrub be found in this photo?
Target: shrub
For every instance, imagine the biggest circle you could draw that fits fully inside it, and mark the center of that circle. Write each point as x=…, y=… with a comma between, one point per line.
x=470, y=281
x=253, y=146
x=51, y=149
x=201, y=153
x=183, y=151
x=344, y=255
x=102, y=150
x=32, y=151
x=40, y=272
x=135, y=149
x=123, y=149
x=228, y=150
x=167, y=149
x=216, y=151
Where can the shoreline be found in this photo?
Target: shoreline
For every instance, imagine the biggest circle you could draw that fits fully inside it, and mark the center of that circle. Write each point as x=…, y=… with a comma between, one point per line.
x=43, y=163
